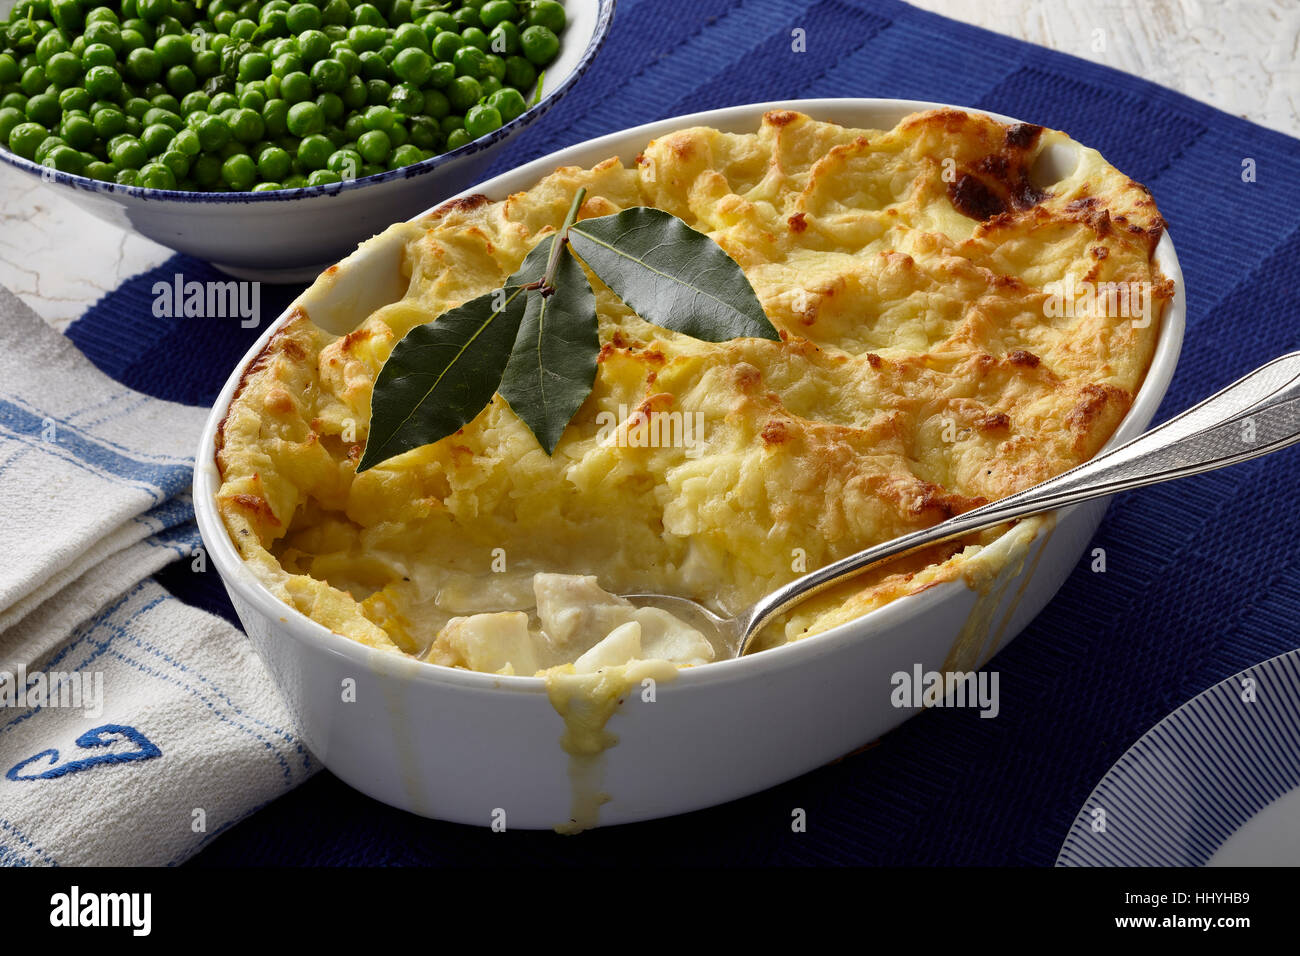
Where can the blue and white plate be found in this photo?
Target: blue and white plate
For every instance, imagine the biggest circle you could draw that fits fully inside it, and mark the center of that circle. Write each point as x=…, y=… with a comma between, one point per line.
x=1216, y=783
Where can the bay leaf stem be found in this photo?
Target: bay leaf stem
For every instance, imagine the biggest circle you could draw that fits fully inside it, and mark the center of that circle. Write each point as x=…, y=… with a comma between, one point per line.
x=547, y=287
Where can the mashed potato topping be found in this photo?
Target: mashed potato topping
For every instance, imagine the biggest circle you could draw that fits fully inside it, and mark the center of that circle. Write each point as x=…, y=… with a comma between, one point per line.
x=950, y=334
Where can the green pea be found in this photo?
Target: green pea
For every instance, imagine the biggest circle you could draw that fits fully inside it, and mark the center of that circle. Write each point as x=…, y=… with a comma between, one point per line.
x=222, y=102
x=373, y=66
x=162, y=116
x=439, y=22
x=406, y=99
x=34, y=80
x=9, y=119
x=102, y=171
x=63, y=69
x=206, y=171
x=305, y=119
x=137, y=106
x=156, y=138
x=504, y=39
x=127, y=152
x=445, y=45
x=463, y=93
x=328, y=76
x=9, y=72
x=441, y=74
x=314, y=151
x=323, y=177
x=413, y=65
x=74, y=98
x=303, y=16
x=181, y=80
x=404, y=156
x=313, y=45
x=255, y=65
x=495, y=12
x=98, y=54
x=436, y=104
x=213, y=133
x=295, y=181
x=156, y=175
x=374, y=146
x=295, y=87
x=378, y=91
x=272, y=23
x=127, y=177
x=25, y=138
x=354, y=94
x=379, y=117
x=398, y=134
x=489, y=84
x=15, y=100
x=350, y=59
x=275, y=115
x=266, y=187
x=206, y=63
x=539, y=45
x=49, y=45
x=466, y=17
x=456, y=139
x=174, y=50
x=195, y=102
x=151, y=11
x=143, y=65
x=274, y=163
x=252, y=99
x=345, y=162
x=424, y=131
x=78, y=131
x=408, y=36
x=238, y=172
x=476, y=38
x=364, y=38
x=449, y=124
x=177, y=161
x=520, y=73
x=48, y=145
x=44, y=108
x=548, y=14
x=247, y=126
x=509, y=102
x=242, y=29
x=336, y=13
x=367, y=14
x=187, y=141
x=67, y=15
x=286, y=63
x=481, y=120
x=65, y=159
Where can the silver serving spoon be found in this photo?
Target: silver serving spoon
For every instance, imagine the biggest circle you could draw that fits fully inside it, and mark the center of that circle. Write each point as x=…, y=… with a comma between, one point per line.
x=1253, y=416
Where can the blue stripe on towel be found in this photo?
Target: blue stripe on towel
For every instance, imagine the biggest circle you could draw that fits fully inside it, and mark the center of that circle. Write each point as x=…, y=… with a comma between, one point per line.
x=165, y=479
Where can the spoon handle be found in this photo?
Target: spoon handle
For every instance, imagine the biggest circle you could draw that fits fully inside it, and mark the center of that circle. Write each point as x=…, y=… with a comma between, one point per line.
x=1253, y=416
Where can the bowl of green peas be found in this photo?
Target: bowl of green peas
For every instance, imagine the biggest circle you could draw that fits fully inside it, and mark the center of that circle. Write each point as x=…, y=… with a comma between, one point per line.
x=269, y=137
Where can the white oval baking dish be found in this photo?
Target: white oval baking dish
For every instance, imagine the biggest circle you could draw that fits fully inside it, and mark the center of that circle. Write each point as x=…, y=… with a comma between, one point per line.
x=474, y=748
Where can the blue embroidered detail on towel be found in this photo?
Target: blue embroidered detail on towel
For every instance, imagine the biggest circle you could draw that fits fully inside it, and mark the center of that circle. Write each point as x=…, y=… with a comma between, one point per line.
x=96, y=737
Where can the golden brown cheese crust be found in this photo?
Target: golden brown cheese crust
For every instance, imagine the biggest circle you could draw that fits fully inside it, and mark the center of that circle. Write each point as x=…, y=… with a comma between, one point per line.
x=922, y=370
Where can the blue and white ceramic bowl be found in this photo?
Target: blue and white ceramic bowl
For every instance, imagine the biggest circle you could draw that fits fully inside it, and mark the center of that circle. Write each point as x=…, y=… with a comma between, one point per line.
x=290, y=235
x=1216, y=783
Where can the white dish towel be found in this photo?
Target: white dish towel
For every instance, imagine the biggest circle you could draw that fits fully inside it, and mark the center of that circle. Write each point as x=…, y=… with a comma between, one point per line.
x=133, y=727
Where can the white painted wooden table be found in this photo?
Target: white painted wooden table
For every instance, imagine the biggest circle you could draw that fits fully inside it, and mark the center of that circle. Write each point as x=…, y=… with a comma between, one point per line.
x=1242, y=56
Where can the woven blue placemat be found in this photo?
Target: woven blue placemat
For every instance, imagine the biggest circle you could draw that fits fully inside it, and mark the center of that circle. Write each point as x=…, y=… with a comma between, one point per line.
x=1202, y=575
